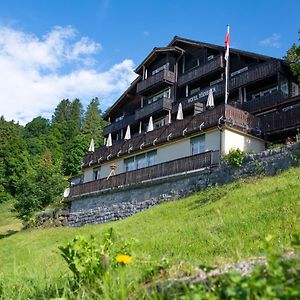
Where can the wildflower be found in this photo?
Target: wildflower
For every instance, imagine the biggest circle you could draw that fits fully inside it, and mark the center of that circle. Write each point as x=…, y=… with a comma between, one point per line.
x=124, y=259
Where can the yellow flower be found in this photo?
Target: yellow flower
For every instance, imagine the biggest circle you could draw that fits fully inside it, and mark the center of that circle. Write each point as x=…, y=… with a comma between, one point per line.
x=124, y=259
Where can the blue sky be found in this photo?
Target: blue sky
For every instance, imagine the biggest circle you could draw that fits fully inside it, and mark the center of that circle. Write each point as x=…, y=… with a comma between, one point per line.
x=57, y=49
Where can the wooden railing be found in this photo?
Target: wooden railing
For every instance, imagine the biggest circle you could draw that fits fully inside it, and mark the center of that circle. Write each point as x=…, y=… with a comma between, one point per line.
x=164, y=76
x=115, y=126
x=258, y=72
x=198, y=72
x=150, y=109
x=180, y=165
x=282, y=120
x=255, y=73
x=265, y=102
x=176, y=129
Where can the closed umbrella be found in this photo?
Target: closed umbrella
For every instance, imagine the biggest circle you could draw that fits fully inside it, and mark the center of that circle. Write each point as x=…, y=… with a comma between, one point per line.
x=179, y=112
x=109, y=141
x=170, y=118
x=92, y=146
x=210, y=100
x=127, y=135
x=150, y=125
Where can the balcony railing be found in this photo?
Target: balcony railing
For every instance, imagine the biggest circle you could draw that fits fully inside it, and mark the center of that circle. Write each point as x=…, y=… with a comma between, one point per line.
x=191, y=124
x=164, y=77
x=180, y=165
x=256, y=73
x=282, y=120
x=115, y=126
x=198, y=72
x=150, y=109
x=265, y=102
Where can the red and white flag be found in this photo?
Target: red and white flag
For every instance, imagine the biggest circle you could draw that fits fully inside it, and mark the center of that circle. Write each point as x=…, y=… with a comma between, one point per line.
x=227, y=41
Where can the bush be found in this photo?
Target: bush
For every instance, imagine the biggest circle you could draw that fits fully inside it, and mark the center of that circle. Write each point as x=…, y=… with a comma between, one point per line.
x=235, y=157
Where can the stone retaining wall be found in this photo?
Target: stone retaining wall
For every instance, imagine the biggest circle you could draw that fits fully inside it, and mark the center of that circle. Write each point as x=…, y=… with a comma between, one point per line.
x=120, y=203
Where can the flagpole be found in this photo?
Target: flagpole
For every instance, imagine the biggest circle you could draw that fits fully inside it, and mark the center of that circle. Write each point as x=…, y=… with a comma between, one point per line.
x=227, y=41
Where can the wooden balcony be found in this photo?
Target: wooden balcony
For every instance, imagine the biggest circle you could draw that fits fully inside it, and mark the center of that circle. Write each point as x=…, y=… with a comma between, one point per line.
x=181, y=165
x=157, y=81
x=265, y=102
x=214, y=65
x=116, y=126
x=150, y=109
x=233, y=116
x=284, y=120
x=256, y=73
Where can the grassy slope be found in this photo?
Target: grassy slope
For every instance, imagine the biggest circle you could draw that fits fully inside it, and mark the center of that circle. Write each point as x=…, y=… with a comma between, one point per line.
x=224, y=223
x=8, y=221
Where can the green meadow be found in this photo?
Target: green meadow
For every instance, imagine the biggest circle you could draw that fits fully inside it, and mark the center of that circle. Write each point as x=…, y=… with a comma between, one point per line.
x=218, y=225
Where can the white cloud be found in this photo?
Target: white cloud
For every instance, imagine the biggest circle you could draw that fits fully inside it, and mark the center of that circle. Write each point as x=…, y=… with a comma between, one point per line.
x=272, y=41
x=33, y=78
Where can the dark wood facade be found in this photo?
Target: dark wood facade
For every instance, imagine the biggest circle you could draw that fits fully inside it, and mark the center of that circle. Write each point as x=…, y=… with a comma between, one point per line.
x=263, y=102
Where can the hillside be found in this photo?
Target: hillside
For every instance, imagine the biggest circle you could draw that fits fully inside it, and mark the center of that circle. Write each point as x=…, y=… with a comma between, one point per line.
x=220, y=224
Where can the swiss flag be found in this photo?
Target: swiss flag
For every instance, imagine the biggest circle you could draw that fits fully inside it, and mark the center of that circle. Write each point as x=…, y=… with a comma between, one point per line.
x=227, y=41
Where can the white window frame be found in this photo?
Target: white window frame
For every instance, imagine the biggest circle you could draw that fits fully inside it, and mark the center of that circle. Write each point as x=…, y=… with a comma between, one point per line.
x=197, y=144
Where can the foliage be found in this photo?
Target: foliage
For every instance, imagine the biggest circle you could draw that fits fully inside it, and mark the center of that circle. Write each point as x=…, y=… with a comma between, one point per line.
x=93, y=123
x=293, y=56
x=278, y=279
x=235, y=157
x=23, y=148
x=38, y=188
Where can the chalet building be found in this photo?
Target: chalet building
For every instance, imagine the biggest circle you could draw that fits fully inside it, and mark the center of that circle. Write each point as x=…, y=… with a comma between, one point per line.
x=173, y=119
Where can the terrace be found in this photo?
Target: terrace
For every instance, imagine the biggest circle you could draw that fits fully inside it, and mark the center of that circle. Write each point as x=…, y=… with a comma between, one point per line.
x=178, y=129
x=190, y=163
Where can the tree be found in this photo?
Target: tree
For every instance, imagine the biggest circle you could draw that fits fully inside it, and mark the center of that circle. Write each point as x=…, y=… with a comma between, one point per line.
x=93, y=123
x=37, y=127
x=293, y=56
x=75, y=150
x=14, y=157
x=39, y=188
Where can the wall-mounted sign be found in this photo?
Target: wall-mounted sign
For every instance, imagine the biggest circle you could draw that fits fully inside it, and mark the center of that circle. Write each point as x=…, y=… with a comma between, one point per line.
x=201, y=94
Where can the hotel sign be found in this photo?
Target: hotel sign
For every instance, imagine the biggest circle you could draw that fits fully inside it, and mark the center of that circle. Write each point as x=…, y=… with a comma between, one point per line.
x=200, y=95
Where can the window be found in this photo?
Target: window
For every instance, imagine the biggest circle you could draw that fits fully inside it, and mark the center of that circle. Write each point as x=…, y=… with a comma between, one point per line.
x=198, y=144
x=210, y=57
x=264, y=92
x=295, y=89
x=161, y=68
x=140, y=161
x=160, y=95
x=151, y=158
x=159, y=123
x=239, y=71
x=284, y=87
x=129, y=164
x=96, y=173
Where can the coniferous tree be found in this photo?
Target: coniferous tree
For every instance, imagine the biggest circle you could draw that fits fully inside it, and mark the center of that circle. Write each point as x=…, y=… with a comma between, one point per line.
x=93, y=123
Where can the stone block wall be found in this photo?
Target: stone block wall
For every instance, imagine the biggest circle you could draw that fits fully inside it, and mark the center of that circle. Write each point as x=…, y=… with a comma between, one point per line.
x=120, y=203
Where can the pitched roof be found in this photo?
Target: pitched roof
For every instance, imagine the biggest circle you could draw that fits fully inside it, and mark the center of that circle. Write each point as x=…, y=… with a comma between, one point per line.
x=155, y=51
x=218, y=47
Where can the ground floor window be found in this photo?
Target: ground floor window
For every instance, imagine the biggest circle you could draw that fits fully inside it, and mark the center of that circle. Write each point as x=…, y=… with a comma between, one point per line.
x=198, y=144
x=140, y=161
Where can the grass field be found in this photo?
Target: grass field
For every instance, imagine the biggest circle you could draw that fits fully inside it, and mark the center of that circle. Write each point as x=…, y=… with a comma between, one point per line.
x=214, y=226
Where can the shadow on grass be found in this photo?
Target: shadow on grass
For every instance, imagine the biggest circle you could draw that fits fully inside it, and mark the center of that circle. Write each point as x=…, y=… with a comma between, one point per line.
x=8, y=233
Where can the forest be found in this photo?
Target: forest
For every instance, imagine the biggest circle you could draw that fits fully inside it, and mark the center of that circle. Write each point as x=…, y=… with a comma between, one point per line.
x=37, y=159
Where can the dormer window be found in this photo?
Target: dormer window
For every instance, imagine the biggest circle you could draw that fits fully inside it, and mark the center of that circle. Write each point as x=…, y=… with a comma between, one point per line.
x=161, y=68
